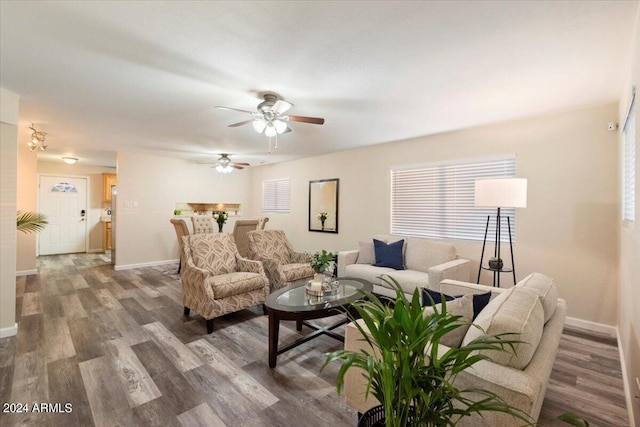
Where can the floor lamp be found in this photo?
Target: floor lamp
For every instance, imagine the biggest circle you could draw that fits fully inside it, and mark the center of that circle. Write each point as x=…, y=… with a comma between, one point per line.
x=500, y=193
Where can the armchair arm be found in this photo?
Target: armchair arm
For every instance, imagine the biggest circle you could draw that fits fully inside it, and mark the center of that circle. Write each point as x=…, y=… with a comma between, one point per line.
x=194, y=289
x=457, y=269
x=274, y=273
x=249, y=265
x=300, y=257
x=346, y=258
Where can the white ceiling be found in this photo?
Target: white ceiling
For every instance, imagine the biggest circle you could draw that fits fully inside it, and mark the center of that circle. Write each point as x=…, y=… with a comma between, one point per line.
x=100, y=76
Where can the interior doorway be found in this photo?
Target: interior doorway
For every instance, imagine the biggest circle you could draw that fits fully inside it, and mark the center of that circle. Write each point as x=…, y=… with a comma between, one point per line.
x=64, y=200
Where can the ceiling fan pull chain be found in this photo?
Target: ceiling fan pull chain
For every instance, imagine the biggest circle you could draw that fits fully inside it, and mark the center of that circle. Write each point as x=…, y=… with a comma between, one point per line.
x=276, y=141
x=269, y=145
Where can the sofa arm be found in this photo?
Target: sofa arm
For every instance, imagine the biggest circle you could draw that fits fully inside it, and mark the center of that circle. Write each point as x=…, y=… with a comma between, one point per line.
x=458, y=269
x=273, y=270
x=249, y=265
x=458, y=287
x=194, y=289
x=346, y=258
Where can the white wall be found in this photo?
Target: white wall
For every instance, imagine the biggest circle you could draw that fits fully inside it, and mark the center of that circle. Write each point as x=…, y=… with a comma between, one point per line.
x=144, y=234
x=629, y=285
x=26, y=201
x=8, y=184
x=96, y=205
x=568, y=231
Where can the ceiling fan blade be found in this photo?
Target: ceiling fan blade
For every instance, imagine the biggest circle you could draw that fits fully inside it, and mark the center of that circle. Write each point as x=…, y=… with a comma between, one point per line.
x=281, y=106
x=287, y=130
x=233, y=109
x=242, y=123
x=303, y=119
x=241, y=164
x=236, y=166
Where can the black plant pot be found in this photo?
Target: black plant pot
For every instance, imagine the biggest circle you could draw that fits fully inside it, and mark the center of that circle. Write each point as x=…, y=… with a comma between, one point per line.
x=374, y=417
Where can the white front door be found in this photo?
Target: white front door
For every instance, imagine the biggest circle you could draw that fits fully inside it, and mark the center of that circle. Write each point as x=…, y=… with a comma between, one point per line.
x=64, y=201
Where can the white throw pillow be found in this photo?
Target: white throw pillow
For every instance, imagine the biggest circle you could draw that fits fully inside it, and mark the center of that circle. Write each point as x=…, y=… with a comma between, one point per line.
x=546, y=289
x=462, y=306
x=366, y=254
x=515, y=311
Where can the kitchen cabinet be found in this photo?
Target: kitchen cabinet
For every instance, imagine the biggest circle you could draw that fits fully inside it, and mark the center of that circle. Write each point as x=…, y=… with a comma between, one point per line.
x=108, y=179
x=106, y=238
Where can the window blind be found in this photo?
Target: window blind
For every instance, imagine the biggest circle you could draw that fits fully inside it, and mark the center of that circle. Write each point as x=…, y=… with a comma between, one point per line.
x=437, y=200
x=629, y=164
x=276, y=196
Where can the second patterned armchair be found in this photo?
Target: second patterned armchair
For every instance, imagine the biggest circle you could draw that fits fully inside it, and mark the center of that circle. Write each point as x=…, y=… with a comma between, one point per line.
x=216, y=280
x=282, y=264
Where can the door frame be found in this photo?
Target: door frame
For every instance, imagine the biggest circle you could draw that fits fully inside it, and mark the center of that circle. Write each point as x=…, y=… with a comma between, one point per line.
x=87, y=195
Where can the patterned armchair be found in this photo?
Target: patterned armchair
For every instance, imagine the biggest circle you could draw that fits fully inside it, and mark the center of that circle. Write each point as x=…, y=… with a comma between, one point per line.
x=202, y=224
x=282, y=264
x=216, y=280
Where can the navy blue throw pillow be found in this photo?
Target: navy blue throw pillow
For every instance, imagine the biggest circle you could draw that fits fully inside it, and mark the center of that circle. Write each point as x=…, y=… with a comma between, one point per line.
x=388, y=255
x=479, y=300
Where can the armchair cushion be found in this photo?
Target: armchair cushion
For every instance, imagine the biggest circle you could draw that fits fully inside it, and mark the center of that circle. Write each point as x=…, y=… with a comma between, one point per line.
x=216, y=255
x=230, y=284
x=295, y=272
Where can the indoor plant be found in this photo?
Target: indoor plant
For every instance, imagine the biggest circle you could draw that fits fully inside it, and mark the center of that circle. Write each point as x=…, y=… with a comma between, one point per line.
x=220, y=217
x=321, y=261
x=406, y=373
x=322, y=216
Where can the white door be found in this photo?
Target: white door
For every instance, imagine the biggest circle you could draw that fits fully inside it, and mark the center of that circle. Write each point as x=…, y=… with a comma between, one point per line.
x=64, y=201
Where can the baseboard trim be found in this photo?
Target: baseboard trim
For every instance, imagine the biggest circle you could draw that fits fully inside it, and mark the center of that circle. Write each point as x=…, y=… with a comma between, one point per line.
x=625, y=379
x=95, y=251
x=612, y=331
x=26, y=272
x=144, y=264
x=9, y=332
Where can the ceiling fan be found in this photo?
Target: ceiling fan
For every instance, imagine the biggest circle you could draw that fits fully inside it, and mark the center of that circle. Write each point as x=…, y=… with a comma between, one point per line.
x=270, y=118
x=225, y=165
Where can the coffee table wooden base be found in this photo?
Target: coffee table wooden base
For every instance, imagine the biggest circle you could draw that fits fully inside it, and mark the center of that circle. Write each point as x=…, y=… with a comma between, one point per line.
x=301, y=319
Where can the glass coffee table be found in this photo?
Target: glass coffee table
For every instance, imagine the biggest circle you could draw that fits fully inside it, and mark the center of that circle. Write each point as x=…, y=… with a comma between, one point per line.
x=293, y=303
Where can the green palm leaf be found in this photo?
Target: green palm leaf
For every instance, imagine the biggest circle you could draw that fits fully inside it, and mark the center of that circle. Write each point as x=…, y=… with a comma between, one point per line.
x=31, y=222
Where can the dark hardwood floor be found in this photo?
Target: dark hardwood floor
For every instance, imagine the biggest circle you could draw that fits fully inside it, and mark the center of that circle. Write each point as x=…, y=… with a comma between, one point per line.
x=116, y=348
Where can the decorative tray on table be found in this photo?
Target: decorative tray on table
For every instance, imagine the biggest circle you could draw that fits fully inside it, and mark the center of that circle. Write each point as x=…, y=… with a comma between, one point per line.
x=321, y=289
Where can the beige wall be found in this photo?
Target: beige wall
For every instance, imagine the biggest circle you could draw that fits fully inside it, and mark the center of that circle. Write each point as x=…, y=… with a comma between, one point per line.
x=27, y=201
x=568, y=231
x=8, y=181
x=629, y=285
x=144, y=233
x=96, y=205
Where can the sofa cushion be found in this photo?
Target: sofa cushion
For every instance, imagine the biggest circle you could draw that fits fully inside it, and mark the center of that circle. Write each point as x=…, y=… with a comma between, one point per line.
x=367, y=272
x=227, y=285
x=422, y=254
x=516, y=311
x=389, y=255
x=480, y=301
x=545, y=288
x=408, y=280
x=366, y=254
x=462, y=306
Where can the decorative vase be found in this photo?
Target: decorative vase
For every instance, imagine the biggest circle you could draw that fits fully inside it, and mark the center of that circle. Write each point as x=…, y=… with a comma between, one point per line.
x=220, y=227
x=496, y=265
x=322, y=222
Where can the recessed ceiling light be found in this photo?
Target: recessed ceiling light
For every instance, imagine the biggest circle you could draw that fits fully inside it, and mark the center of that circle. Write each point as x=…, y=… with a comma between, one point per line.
x=70, y=160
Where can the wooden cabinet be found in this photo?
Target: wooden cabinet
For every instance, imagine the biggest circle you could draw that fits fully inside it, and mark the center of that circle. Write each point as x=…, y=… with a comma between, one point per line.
x=106, y=238
x=108, y=179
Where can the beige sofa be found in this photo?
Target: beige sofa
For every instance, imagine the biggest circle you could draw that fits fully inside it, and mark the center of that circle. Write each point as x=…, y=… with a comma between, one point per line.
x=531, y=308
x=426, y=262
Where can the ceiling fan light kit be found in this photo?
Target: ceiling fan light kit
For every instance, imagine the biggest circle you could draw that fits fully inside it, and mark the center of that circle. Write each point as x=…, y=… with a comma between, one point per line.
x=225, y=165
x=270, y=118
x=37, y=140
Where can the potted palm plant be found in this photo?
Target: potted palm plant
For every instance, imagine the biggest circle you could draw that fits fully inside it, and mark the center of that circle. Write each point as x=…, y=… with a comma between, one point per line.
x=406, y=373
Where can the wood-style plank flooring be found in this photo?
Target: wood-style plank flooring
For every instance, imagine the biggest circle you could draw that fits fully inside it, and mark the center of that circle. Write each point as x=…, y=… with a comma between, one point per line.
x=115, y=346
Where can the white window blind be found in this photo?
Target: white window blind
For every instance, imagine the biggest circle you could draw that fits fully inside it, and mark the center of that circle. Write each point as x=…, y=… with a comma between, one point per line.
x=276, y=196
x=437, y=200
x=629, y=163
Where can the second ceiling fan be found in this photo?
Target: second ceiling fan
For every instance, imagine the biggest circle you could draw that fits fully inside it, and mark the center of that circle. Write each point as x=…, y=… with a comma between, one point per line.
x=270, y=118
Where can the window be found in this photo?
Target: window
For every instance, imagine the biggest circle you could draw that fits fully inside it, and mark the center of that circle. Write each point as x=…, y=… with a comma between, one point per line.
x=63, y=187
x=276, y=196
x=629, y=163
x=437, y=200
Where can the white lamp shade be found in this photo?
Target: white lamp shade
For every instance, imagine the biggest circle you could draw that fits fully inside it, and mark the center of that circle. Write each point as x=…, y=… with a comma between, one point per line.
x=270, y=130
x=280, y=126
x=259, y=125
x=501, y=193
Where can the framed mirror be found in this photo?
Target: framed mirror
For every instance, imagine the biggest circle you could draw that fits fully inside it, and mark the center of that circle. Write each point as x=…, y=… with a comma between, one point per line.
x=323, y=205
